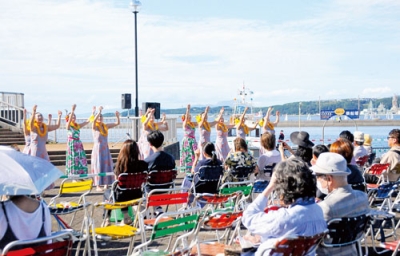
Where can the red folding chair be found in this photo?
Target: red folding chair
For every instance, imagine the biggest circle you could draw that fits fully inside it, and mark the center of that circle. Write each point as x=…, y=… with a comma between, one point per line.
x=295, y=245
x=61, y=245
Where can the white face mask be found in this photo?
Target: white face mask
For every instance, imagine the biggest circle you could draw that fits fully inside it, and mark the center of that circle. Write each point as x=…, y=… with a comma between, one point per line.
x=323, y=190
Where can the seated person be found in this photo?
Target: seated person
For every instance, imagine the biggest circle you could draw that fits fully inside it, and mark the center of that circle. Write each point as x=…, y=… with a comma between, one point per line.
x=127, y=162
x=21, y=218
x=317, y=150
x=300, y=214
x=304, y=146
x=237, y=159
x=210, y=159
x=269, y=158
x=159, y=160
x=345, y=148
x=341, y=200
x=359, y=150
x=391, y=157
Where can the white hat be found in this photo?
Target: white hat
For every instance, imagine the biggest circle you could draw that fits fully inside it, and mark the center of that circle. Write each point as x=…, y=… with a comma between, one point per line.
x=331, y=164
x=359, y=136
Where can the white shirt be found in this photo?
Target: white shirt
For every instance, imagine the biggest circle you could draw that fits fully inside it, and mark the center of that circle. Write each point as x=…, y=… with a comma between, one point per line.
x=23, y=224
x=359, y=151
x=269, y=157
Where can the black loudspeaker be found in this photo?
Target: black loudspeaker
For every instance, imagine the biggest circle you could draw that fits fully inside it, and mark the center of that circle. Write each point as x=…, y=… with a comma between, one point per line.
x=126, y=101
x=155, y=105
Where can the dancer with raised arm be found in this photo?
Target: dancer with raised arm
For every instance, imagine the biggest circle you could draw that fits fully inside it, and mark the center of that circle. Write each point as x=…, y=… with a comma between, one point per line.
x=267, y=125
x=148, y=125
x=189, y=144
x=101, y=157
x=76, y=162
x=241, y=128
x=204, y=130
x=39, y=133
x=221, y=142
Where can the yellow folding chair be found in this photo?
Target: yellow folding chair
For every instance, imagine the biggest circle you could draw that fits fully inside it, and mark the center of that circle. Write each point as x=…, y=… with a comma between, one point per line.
x=70, y=199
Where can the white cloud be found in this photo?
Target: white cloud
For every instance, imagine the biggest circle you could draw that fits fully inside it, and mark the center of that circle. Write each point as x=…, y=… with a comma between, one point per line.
x=64, y=52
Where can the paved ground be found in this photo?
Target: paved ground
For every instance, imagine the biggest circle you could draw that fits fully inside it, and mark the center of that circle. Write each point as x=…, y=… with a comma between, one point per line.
x=120, y=247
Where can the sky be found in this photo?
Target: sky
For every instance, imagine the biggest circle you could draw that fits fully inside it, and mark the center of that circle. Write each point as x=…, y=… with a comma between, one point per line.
x=197, y=52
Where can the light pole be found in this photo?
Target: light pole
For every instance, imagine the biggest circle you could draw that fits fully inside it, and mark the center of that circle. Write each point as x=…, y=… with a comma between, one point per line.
x=134, y=7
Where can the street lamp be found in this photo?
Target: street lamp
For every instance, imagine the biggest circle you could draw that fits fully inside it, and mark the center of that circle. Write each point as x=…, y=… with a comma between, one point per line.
x=134, y=7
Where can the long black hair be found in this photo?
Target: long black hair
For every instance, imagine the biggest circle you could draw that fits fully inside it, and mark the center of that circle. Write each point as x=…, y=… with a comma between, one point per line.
x=209, y=149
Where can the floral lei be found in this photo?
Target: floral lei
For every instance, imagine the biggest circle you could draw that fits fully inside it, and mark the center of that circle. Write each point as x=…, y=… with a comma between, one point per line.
x=39, y=131
x=75, y=125
x=191, y=124
x=245, y=128
x=153, y=128
x=102, y=128
x=223, y=127
x=206, y=126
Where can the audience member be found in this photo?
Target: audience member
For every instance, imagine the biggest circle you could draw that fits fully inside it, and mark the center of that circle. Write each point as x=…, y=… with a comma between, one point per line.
x=295, y=185
x=127, y=162
x=269, y=158
x=239, y=158
x=304, y=146
x=341, y=200
x=359, y=150
x=347, y=135
x=21, y=218
x=317, y=150
x=344, y=148
x=368, y=143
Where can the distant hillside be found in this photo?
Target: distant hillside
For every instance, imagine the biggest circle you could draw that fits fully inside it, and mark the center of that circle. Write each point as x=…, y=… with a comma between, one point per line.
x=307, y=107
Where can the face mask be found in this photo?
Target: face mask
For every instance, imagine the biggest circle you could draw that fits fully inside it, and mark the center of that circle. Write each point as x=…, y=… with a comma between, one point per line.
x=323, y=190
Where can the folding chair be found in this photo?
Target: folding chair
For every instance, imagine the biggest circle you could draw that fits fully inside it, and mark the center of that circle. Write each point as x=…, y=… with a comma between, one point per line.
x=127, y=187
x=245, y=187
x=378, y=223
x=294, y=245
x=182, y=223
x=379, y=170
x=61, y=245
x=70, y=199
x=346, y=231
x=384, y=193
x=207, y=179
x=118, y=231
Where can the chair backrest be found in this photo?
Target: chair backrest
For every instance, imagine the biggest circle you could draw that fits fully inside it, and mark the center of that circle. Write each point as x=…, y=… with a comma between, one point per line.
x=378, y=169
x=361, y=161
x=131, y=181
x=231, y=187
x=208, y=180
x=297, y=245
x=61, y=245
x=241, y=173
x=162, y=177
x=72, y=186
x=162, y=197
x=345, y=231
x=268, y=170
x=385, y=190
x=128, y=186
x=260, y=185
x=215, y=199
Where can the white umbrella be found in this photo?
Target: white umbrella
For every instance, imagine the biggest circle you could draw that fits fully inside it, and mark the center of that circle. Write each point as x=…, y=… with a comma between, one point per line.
x=22, y=174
